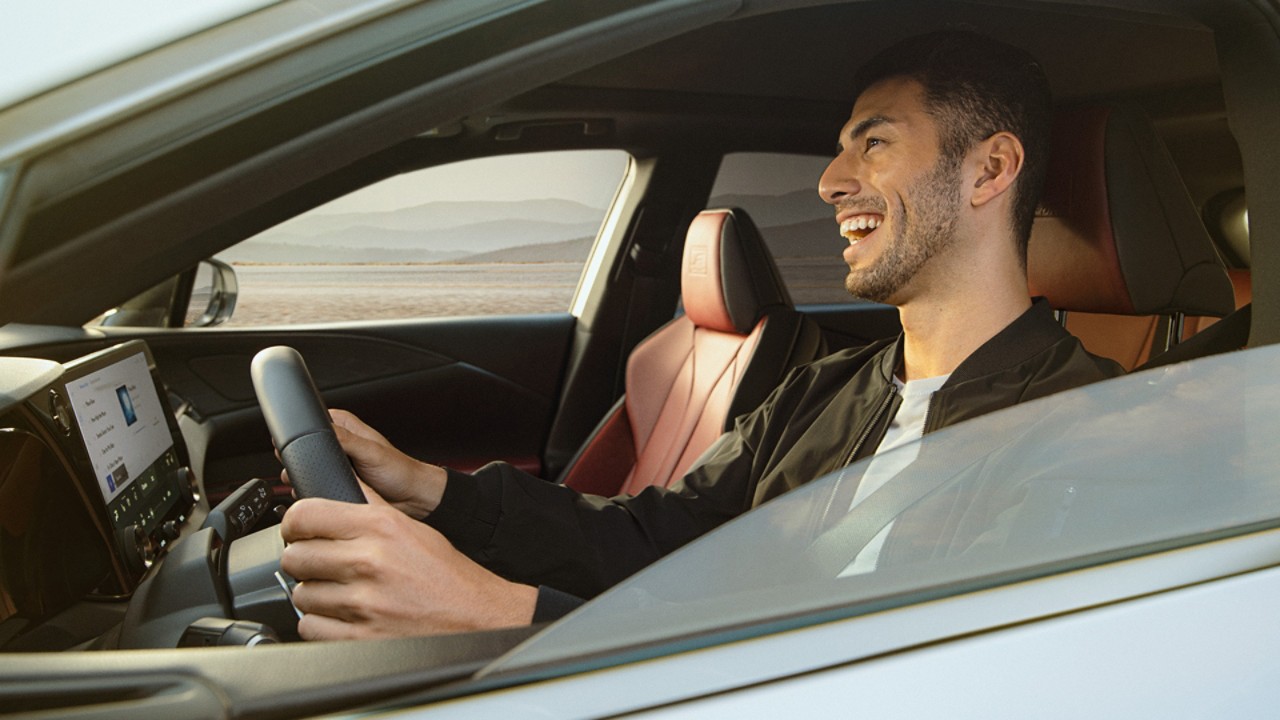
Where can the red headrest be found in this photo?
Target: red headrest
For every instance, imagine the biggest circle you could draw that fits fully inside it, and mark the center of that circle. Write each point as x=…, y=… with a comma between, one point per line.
x=728, y=278
x=1117, y=231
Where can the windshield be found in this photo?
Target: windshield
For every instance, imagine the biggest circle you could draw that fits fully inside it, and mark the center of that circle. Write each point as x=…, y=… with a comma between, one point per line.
x=1148, y=462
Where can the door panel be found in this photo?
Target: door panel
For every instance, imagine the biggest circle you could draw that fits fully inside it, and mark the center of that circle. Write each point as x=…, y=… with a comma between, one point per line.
x=454, y=392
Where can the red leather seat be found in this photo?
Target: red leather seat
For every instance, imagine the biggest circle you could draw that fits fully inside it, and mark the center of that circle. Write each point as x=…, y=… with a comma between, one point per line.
x=686, y=382
x=1118, y=243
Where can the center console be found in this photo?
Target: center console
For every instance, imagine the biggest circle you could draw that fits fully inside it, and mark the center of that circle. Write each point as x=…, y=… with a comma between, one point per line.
x=109, y=407
x=94, y=482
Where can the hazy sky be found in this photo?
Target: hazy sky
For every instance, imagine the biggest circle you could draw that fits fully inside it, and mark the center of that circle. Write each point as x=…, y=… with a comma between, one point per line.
x=769, y=174
x=589, y=177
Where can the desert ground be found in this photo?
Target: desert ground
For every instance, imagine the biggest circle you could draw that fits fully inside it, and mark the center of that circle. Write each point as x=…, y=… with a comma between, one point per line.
x=292, y=294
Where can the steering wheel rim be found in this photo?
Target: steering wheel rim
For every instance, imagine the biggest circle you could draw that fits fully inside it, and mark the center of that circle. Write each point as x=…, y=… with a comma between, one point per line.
x=301, y=428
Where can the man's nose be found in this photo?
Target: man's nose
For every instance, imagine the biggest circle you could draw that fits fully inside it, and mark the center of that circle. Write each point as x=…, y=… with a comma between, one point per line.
x=839, y=180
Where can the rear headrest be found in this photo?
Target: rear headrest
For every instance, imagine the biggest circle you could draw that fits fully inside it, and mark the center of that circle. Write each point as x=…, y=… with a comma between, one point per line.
x=1117, y=231
x=728, y=278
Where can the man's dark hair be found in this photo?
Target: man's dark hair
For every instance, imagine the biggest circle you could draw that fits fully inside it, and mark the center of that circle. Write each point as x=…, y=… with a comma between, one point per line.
x=976, y=86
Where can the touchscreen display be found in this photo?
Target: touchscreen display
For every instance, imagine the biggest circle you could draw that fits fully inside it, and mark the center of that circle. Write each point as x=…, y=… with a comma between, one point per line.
x=126, y=433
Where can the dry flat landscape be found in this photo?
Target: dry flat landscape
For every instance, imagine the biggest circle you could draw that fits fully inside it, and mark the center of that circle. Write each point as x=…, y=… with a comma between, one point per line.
x=291, y=294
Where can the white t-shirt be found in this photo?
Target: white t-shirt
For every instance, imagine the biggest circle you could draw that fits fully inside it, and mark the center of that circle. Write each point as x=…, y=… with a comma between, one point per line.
x=907, y=426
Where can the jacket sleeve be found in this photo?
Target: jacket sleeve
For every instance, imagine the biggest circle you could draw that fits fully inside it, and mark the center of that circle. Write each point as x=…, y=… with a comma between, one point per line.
x=533, y=531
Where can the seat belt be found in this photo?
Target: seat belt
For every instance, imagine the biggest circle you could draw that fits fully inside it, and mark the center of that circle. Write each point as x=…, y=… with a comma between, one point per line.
x=834, y=549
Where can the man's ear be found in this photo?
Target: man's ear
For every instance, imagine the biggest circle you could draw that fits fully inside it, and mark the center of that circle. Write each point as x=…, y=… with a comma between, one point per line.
x=999, y=159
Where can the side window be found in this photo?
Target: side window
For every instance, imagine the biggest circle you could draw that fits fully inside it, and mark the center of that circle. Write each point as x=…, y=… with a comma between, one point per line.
x=780, y=192
x=499, y=235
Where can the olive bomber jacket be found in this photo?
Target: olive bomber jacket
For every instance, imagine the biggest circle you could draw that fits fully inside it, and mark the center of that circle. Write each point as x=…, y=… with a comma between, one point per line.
x=823, y=416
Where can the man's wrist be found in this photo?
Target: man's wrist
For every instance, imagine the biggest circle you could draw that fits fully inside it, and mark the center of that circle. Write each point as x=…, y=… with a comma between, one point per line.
x=427, y=488
x=432, y=480
x=522, y=601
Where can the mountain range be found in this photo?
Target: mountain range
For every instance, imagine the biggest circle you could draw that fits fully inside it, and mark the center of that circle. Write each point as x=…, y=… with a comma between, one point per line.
x=526, y=231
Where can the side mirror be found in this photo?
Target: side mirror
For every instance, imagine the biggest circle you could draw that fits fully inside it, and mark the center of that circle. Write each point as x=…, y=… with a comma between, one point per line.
x=213, y=294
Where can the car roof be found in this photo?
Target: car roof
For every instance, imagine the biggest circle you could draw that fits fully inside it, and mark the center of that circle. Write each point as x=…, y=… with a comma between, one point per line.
x=1091, y=54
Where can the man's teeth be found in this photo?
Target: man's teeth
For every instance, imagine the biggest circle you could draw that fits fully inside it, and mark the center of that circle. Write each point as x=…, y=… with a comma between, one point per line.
x=856, y=228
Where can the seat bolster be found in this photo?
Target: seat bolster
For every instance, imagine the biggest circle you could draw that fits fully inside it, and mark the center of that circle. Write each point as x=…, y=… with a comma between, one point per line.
x=654, y=372
x=787, y=339
x=691, y=417
x=1167, y=257
x=608, y=458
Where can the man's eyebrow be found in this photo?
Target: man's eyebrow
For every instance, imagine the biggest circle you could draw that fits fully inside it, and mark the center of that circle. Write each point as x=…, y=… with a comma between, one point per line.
x=862, y=128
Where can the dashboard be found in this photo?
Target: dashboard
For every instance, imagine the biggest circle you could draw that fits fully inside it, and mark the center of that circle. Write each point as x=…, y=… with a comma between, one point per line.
x=105, y=544
x=95, y=484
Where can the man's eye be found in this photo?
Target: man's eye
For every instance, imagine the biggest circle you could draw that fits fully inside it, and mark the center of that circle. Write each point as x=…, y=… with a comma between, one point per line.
x=873, y=142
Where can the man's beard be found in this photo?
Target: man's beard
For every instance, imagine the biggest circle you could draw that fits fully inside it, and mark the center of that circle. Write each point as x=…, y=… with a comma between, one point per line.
x=918, y=239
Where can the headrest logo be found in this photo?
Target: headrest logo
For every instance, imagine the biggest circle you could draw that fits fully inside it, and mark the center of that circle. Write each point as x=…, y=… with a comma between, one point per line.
x=698, y=260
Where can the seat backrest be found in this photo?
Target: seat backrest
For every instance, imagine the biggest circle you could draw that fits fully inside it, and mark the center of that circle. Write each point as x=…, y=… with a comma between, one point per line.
x=1118, y=243
x=685, y=383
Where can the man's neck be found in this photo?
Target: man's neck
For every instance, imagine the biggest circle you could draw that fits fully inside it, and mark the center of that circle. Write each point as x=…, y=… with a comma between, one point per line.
x=941, y=331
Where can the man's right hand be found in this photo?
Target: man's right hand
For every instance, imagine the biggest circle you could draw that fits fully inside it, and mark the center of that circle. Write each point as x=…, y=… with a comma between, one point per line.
x=368, y=571
x=410, y=485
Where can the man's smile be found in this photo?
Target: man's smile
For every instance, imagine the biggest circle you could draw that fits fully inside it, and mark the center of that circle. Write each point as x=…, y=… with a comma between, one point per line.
x=857, y=227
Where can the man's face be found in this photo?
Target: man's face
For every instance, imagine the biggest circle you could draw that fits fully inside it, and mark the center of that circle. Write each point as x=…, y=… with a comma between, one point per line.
x=896, y=198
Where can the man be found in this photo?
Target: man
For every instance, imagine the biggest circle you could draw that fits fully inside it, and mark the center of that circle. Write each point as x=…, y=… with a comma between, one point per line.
x=934, y=186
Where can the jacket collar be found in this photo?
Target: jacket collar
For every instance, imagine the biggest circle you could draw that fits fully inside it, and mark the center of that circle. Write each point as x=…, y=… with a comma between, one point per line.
x=1031, y=332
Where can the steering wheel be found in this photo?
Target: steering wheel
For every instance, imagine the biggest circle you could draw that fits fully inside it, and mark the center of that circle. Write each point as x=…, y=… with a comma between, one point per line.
x=300, y=427
x=216, y=589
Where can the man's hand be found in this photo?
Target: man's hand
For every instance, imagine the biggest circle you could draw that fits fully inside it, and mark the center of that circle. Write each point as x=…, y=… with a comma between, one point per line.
x=370, y=571
x=412, y=486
